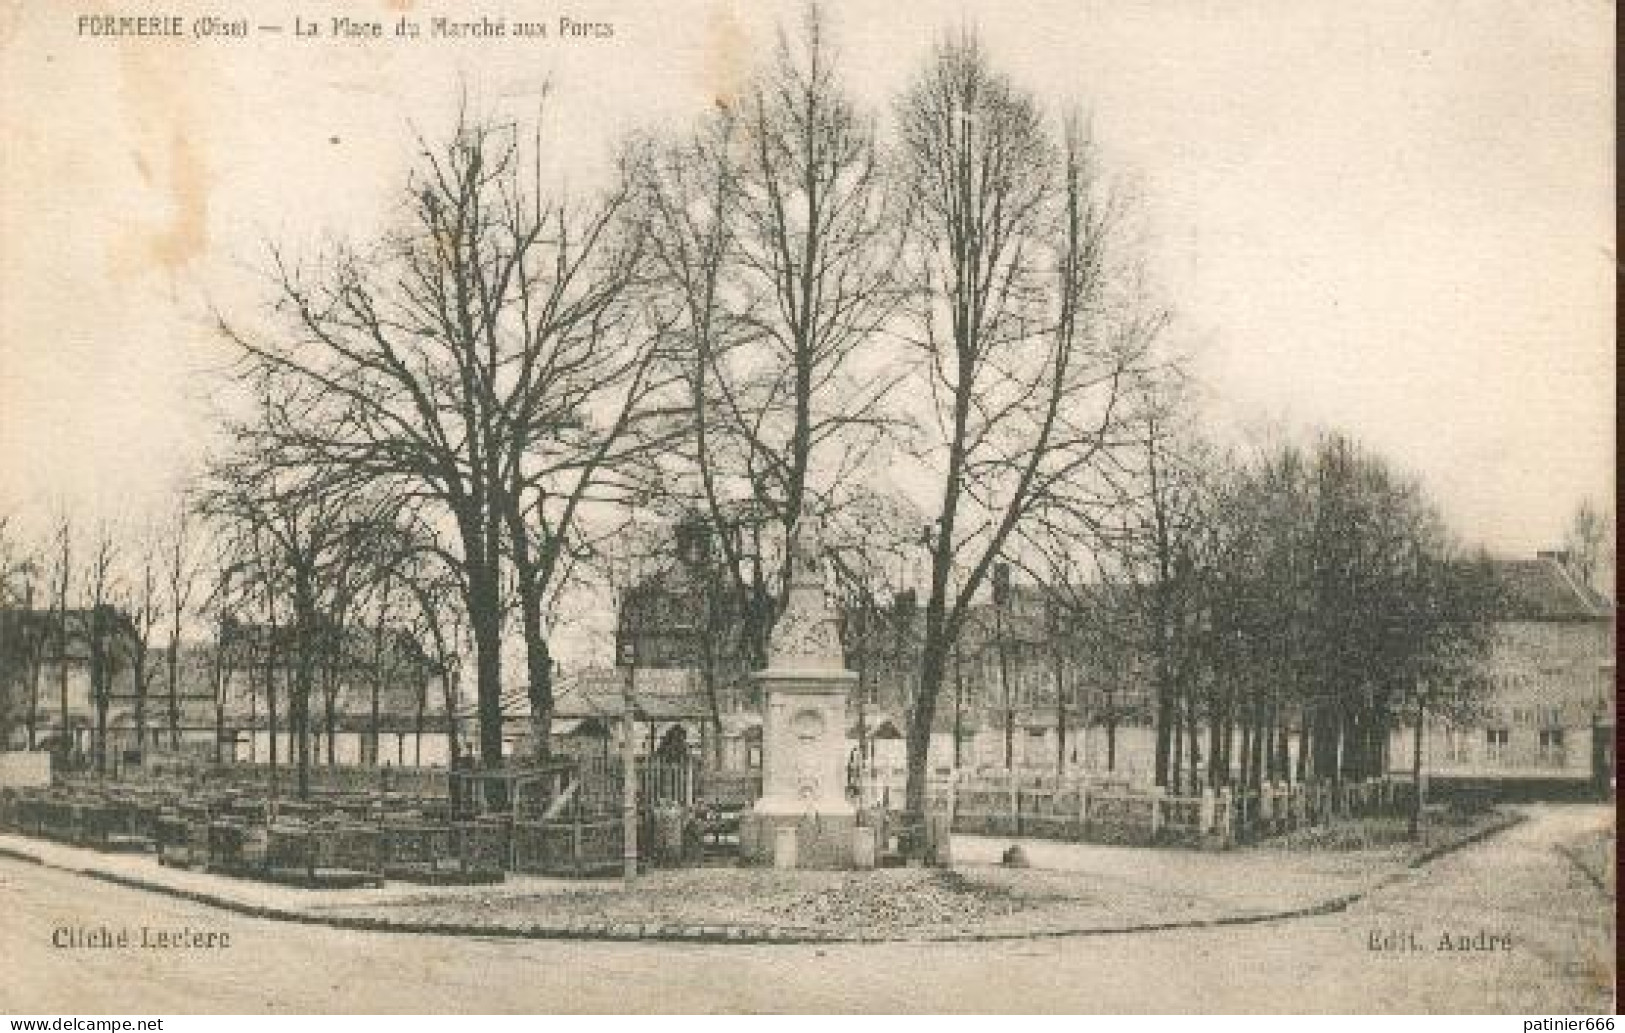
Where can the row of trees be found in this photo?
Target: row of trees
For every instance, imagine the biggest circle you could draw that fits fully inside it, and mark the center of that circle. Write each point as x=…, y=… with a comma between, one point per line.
x=1308, y=591
x=283, y=587
x=121, y=597
x=757, y=319
x=324, y=589
x=928, y=326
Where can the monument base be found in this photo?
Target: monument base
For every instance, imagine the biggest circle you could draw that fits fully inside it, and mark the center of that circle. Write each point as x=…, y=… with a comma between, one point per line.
x=822, y=840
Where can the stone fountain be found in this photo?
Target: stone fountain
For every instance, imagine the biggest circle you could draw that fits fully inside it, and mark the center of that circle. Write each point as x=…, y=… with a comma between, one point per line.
x=803, y=818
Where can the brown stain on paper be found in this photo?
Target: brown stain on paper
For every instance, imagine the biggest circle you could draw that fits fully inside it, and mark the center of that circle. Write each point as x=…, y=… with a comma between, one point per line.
x=171, y=159
x=727, y=50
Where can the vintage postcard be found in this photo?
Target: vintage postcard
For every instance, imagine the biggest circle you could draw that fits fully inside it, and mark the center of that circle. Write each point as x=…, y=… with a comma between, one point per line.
x=939, y=507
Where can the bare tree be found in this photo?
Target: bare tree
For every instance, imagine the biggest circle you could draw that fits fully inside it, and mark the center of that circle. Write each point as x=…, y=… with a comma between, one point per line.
x=182, y=566
x=1589, y=542
x=21, y=635
x=102, y=625
x=146, y=612
x=1031, y=324
x=818, y=241
x=61, y=580
x=775, y=246
x=480, y=357
x=433, y=619
x=304, y=532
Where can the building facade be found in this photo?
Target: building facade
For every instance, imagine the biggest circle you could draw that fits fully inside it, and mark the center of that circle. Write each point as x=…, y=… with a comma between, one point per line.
x=377, y=699
x=54, y=668
x=1549, y=720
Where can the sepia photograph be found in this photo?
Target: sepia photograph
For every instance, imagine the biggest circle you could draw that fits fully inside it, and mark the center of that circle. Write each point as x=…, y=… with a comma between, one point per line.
x=809, y=507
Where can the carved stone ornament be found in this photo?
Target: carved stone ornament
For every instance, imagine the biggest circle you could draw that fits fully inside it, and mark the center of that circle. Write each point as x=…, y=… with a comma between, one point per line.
x=805, y=637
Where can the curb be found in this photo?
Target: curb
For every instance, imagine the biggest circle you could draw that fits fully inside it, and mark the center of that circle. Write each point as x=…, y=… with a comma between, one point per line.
x=1572, y=858
x=1443, y=849
x=715, y=933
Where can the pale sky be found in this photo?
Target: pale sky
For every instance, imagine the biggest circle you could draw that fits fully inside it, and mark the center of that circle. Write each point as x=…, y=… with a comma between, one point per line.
x=1392, y=218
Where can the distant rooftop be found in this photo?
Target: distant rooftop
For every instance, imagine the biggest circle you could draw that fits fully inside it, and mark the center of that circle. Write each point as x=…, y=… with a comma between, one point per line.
x=1544, y=589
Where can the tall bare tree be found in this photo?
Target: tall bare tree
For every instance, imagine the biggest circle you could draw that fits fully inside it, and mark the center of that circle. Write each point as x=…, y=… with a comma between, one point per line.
x=480, y=356
x=182, y=566
x=1032, y=327
x=21, y=635
x=306, y=532
x=61, y=578
x=775, y=246
x=146, y=612
x=102, y=625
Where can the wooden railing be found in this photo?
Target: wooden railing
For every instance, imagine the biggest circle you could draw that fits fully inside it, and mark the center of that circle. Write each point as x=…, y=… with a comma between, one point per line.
x=1115, y=813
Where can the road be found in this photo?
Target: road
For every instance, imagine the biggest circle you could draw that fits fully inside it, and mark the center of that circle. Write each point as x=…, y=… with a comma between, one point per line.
x=1515, y=885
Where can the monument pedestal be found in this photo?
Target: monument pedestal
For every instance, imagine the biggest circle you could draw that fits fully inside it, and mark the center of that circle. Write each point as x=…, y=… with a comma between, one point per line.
x=804, y=753
x=803, y=819
x=822, y=840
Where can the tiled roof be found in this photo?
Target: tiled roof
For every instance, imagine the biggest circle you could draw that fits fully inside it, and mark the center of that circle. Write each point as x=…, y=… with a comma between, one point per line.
x=662, y=695
x=1542, y=590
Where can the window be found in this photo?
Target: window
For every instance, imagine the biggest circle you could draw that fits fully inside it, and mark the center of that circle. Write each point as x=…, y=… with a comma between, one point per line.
x=1550, y=747
x=1458, y=746
x=1495, y=744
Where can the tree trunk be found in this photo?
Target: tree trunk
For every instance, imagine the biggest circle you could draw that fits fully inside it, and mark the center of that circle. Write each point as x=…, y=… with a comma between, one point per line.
x=448, y=691
x=1283, y=747
x=1260, y=736
x=959, y=710
x=539, y=667
x=1416, y=771
x=529, y=579
x=1060, y=717
x=1195, y=737
x=1215, y=746
x=35, y=649
x=330, y=700
x=174, y=689
x=141, y=706
x=1305, y=743
x=1177, y=753
x=485, y=621
x=1166, y=749
x=933, y=663
x=100, y=690
x=270, y=703
x=1004, y=686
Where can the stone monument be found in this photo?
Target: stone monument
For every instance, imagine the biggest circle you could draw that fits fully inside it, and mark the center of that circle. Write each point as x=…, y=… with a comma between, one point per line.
x=803, y=817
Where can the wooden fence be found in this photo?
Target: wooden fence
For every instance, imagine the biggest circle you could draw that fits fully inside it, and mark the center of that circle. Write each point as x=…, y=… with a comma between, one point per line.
x=1114, y=813
x=345, y=778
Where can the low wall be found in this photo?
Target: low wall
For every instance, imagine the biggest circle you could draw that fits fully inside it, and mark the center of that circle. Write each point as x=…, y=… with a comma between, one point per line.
x=1451, y=789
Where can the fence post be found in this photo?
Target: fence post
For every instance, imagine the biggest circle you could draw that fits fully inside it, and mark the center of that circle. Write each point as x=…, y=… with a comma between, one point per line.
x=1156, y=811
x=1015, y=801
x=1083, y=809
